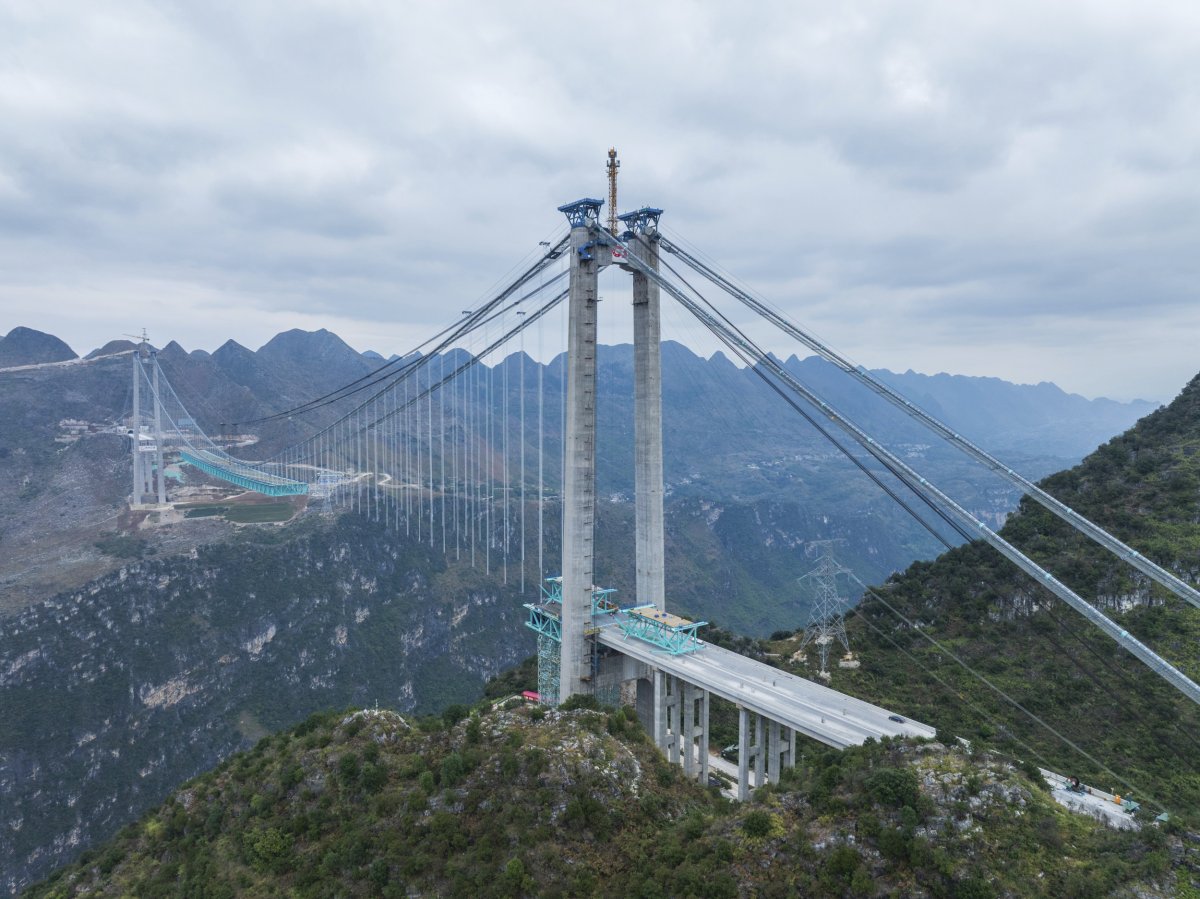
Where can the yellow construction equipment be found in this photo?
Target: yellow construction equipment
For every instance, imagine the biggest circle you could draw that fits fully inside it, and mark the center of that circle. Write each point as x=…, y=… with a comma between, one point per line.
x=613, y=165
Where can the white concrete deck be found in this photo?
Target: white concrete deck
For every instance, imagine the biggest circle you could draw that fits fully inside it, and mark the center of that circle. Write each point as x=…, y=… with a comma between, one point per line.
x=808, y=708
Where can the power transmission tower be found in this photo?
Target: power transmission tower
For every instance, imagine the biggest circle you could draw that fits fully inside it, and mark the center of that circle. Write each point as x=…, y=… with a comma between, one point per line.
x=826, y=621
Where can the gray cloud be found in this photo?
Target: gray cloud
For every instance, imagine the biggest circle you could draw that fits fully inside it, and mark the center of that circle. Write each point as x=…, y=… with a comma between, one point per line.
x=994, y=188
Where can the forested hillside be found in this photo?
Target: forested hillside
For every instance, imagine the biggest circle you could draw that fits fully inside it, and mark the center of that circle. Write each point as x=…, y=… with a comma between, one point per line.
x=578, y=803
x=1140, y=735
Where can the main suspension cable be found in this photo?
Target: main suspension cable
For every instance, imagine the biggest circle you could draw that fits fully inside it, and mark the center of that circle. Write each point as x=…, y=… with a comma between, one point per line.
x=1151, y=659
x=1084, y=525
x=447, y=335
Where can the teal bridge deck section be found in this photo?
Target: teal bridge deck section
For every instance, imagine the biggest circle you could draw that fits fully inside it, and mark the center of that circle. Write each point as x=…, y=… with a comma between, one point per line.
x=243, y=475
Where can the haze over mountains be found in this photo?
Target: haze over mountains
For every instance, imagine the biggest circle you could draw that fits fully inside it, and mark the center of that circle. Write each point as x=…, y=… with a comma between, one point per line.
x=294, y=365
x=111, y=697
x=166, y=645
x=728, y=439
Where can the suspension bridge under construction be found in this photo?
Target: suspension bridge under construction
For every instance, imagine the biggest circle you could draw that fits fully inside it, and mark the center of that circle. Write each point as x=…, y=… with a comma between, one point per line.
x=419, y=444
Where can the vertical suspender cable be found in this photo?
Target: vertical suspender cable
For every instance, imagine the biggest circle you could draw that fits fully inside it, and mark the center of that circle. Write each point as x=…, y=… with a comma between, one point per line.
x=407, y=480
x=504, y=468
x=376, y=468
x=521, y=375
x=419, y=470
x=473, y=459
x=541, y=569
x=489, y=429
x=429, y=410
x=457, y=475
x=442, y=440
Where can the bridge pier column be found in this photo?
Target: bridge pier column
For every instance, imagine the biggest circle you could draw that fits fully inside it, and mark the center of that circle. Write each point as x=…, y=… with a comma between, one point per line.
x=674, y=707
x=743, y=789
x=773, y=752
x=682, y=724
x=759, y=753
x=755, y=751
x=689, y=730
x=660, y=710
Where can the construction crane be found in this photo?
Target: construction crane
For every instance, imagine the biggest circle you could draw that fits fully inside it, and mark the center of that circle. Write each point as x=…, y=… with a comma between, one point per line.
x=612, y=166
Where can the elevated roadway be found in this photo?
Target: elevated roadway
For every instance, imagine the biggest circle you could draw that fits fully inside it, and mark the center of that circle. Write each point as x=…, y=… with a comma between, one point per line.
x=808, y=708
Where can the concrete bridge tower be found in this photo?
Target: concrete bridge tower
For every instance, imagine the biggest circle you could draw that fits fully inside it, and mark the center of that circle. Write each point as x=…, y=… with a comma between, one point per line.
x=647, y=409
x=588, y=252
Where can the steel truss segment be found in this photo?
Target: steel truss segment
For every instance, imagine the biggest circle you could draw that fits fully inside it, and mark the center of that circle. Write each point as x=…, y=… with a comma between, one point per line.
x=552, y=589
x=583, y=213
x=670, y=632
x=1149, y=657
x=267, y=484
x=544, y=621
x=602, y=603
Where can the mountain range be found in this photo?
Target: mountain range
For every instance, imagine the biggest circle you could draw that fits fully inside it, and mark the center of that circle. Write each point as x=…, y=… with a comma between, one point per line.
x=139, y=654
x=728, y=440
x=506, y=800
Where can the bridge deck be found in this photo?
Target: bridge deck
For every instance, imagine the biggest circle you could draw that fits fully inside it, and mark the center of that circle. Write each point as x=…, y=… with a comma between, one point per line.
x=243, y=476
x=808, y=708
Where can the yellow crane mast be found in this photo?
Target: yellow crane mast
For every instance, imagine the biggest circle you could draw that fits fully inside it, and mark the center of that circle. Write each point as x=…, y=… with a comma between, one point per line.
x=613, y=165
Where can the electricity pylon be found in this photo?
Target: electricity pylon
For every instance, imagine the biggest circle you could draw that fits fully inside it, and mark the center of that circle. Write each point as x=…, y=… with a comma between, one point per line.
x=826, y=620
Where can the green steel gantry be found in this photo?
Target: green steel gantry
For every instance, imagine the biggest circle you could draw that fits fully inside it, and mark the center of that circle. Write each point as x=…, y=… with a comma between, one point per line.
x=669, y=632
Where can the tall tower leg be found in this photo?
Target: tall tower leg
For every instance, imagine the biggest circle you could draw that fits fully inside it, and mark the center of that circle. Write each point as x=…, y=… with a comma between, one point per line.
x=158, y=437
x=647, y=425
x=135, y=431
x=579, y=489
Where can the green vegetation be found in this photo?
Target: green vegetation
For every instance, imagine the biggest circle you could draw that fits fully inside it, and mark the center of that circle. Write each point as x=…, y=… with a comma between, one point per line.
x=579, y=803
x=122, y=546
x=1140, y=734
x=204, y=511
x=259, y=512
x=255, y=513
x=173, y=664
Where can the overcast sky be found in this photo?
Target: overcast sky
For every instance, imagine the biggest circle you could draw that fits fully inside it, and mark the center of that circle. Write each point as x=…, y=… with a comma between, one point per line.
x=991, y=188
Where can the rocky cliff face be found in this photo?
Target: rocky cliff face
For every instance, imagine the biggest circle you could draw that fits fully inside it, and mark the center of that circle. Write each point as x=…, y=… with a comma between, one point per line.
x=111, y=696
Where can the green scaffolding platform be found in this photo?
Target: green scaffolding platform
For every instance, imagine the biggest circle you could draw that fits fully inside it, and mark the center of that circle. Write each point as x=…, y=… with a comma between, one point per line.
x=545, y=619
